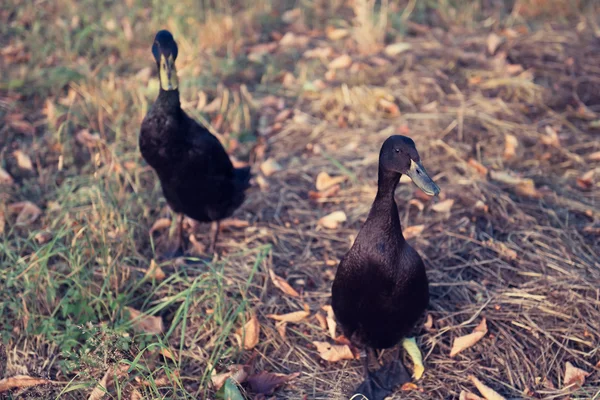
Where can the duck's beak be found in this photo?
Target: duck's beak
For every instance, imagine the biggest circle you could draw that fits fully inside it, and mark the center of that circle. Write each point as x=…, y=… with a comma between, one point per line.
x=419, y=176
x=168, y=74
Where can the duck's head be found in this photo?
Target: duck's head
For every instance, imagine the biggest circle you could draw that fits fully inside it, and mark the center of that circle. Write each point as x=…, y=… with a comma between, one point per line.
x=164, y=50
x=399, y=154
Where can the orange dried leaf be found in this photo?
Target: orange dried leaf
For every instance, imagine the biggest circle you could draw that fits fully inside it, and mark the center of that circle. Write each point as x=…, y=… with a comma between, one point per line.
x=155, y=272
x=464, y=395
x=269, y=167
x=23, y=160
x=20, y=382
x=394, y=49
x=478, y=166
x=21, y=126
x=331, y=221
x=28, y=212
x=574, y=376
x=411, y=232
x=160, y=224
x=282, y=285
x=335, y=352
x=340, y=62
x=594, y=156
x=408, y=386
x=443, y=206
x=487, y=392
x=251, y=333
x=428, y=325
x=5, y=178
x=332, y=191
x=145, y=323
x=336, y=34
x=167, y=353
x=281, y=329
x=551, y=137
x=331, y=323
x=86, y=138
x=322, y=320
x=464, y=342
x=295, y=316
x=493, y=42
x=325, y=181
x=586, y=181
x=510, y=145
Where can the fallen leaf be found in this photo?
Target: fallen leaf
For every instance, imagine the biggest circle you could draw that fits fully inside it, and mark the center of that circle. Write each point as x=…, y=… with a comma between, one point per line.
x=408, y=386
x=155, y=272
x=281, y=329
x=417, y=203
x=251, y=332
x=396, y=48
x=332, y=191
x=86, y=138
x=167, y=353
x=331, y=323
x=295, y=316
x=443, y=206
x=464, y=395
x=502, y=249
x=5, y=178
x=466, y=341
x=574, y=376
x=510, y=145
x=266, y=382
x=325, y=181
x=487, y=392
x=331, y=221
x=100, y=389
x=283, y=285
x=20, y=382
x=411, y=232
x=160, y=224
x=336, y=34
x=233, y=223
x=478, y=166
x=594, y=156
x=389, y=106
x=340, y=62
x=586, y=181
x=28, y=212
x=42, y=237
x=428, y=325
x=527, y=188
x=493, y=42
x=334, y=352
x=237, y=372
x=291, y=15
x=21, y=126
x=551, y=137
x=319, y=52
x=23, y=160
x=322, y=320
x=269, y=167
x=145, y=323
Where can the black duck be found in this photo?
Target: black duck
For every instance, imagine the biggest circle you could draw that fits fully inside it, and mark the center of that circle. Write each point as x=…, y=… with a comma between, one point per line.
x=196, y=174
x=380, y=288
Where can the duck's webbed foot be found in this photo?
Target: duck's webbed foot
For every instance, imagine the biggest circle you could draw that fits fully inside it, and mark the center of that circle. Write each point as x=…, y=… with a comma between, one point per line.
x=174, y=244
x=381, y=383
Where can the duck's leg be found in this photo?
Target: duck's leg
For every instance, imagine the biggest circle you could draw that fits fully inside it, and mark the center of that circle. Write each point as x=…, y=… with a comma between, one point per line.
x=214, y=234
x=173, y=244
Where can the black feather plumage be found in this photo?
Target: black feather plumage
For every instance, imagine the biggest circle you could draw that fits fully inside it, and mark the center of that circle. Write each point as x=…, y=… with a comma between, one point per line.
x=380, y=288
x=196, y=174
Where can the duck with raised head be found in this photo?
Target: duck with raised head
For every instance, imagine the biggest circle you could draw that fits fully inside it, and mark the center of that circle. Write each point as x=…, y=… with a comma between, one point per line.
x=380, y=289
x=195, y=172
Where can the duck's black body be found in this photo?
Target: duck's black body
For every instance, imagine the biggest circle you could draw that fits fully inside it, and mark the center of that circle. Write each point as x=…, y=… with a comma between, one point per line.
x=380, y=288
x=196, y=174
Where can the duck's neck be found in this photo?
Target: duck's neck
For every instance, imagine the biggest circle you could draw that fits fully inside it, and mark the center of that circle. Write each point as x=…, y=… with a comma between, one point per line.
x=384, y=207
x=168, y=100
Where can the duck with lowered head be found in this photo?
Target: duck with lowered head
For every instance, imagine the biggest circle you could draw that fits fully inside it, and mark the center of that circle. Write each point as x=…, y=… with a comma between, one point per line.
x=380, y=289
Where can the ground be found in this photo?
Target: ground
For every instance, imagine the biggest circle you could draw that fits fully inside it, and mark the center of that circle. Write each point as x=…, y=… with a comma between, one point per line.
x=503, y=102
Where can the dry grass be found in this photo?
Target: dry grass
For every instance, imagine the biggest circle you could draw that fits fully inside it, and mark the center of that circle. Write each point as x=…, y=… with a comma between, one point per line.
x=526, y=258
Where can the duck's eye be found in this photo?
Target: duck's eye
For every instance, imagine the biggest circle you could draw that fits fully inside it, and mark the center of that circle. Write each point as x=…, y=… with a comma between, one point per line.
x=397, y=150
